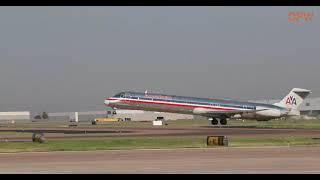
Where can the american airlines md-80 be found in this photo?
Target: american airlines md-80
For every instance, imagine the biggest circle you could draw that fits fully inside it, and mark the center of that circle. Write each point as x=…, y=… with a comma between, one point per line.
x=216, y=110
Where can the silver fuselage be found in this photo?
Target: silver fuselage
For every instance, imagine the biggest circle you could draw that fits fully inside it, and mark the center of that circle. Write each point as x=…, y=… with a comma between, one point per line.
x=188, y=105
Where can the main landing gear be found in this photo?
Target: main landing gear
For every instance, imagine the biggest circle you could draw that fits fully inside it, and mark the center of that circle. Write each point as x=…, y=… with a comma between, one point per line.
x=215, y=121
x=223, y=121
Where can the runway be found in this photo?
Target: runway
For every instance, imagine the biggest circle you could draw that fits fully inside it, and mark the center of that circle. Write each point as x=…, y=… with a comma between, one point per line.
x=200, y=160
x=209, y=160
x=83, y=133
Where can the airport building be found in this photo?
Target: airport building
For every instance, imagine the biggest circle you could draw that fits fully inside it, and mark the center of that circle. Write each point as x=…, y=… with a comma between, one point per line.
x=83, y=116
x=311, y=107
x=137, y=115
x=129, y=115
x=13, y=116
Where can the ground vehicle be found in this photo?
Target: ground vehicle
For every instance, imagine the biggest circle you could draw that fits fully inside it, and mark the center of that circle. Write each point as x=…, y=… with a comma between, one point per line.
x=96, y=120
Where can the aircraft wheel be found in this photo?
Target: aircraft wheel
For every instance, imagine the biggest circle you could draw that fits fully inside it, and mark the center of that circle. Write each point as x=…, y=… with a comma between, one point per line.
x=214, y=121
x=223, y=121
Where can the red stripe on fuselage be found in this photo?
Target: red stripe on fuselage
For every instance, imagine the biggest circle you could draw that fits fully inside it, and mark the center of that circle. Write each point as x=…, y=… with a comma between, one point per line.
x=170, y=104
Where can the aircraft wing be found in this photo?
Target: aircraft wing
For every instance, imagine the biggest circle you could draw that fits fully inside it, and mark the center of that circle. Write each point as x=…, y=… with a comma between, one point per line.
x=213, y=113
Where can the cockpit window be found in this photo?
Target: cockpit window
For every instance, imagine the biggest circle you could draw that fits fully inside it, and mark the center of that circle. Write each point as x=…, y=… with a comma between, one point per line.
x=119, y=95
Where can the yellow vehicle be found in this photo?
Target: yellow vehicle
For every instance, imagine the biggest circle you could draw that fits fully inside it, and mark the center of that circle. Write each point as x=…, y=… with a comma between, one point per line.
x=96, y=120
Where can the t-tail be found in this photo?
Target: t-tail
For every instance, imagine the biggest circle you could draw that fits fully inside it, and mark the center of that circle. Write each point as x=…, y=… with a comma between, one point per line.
x=293, y=100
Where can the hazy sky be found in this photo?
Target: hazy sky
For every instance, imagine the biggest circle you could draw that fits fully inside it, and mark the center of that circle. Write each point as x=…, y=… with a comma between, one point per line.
x=60, y=59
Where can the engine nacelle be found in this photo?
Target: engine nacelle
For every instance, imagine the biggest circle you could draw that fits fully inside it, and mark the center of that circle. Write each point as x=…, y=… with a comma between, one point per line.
x=294, y=112
x=269, y=113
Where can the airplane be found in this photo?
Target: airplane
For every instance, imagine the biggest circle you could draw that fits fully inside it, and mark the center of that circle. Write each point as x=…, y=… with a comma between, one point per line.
x=216, y=110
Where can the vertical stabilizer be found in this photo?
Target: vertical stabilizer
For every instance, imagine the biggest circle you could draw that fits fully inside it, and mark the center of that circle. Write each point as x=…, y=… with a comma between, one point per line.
x=294, y=98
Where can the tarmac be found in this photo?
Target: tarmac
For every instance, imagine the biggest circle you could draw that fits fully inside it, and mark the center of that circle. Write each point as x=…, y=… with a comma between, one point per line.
x=82, y=133
x=226, y=160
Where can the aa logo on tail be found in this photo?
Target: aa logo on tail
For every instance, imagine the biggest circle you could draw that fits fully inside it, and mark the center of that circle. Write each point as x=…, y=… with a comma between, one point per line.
x=291, y=100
